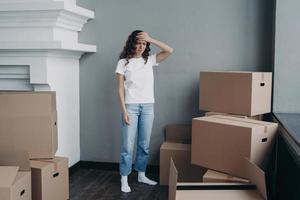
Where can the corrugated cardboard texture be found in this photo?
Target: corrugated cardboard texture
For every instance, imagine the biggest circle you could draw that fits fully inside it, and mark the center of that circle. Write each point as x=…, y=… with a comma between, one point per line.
x=28, y=120
x=180, y=133
x=242, y=93
x=50, y=179
x=222, y=143
x=181, y=154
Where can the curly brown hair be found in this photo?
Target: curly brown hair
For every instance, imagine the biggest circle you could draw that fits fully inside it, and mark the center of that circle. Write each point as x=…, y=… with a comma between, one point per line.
x=129, y=48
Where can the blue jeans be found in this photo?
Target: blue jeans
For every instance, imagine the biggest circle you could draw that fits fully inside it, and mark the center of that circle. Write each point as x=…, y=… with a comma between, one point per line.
x=141, y=119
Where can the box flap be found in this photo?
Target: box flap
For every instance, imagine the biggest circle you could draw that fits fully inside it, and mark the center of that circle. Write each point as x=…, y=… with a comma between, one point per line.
x=214, y=176
x=175, y=146
x=7, y=175
x=173, y=175
x=41, y=163
x=236, y=121
x=246, y=120
x=10, y=156
x=218, y=195
x=257, y=176
x=221, y=120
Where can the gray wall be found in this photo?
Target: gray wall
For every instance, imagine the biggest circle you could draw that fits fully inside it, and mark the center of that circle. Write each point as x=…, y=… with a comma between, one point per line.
x=205, y=35
x=287, y=54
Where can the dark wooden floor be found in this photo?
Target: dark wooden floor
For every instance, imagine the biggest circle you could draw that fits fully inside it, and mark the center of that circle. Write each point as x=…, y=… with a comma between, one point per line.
x=95, y=184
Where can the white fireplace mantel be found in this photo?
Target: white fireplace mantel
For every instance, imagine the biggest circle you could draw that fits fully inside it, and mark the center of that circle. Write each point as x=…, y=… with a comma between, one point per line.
x=39, y=50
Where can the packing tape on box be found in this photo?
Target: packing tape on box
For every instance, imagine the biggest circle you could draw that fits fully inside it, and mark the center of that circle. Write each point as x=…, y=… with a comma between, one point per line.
x=209, y=113
x=239, y=120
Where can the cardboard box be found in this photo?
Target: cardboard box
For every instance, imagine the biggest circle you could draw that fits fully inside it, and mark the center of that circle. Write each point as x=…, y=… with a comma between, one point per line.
x=28, y=120
x=15, y=174
x=256, y=117
x=217, y=191
x=222, y=142
x=212, y=176
x=242, y=93
x=11, y=156
x=14, y=185
x=181, y=154
x=50, y=179
x=181, y=133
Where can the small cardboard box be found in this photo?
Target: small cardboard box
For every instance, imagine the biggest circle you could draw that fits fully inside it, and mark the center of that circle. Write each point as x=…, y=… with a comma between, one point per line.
x=181, y=133
x=212, y=176
x=15, y=175
x=28, y=120
x=14, y=185
x=50, y=179
x=218, y=191
x=181, y=154
x=223, y=142
x=242, y=93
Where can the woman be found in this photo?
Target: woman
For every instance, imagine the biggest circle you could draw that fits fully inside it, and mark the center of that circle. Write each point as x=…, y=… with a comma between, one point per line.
x=136, y=95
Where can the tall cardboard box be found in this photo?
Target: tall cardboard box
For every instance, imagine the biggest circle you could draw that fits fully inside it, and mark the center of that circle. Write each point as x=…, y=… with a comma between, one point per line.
x=50, y=179
x=223, y=142
x=242, y=93
x=14, y=185
x=28, y=120
x=181, y=154
x=219, y=191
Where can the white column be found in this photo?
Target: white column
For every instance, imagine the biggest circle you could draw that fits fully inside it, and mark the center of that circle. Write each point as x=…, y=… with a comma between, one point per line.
x=39, y=50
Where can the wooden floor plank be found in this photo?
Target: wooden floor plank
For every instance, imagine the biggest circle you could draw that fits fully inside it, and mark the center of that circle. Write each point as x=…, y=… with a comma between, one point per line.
x=95, y=184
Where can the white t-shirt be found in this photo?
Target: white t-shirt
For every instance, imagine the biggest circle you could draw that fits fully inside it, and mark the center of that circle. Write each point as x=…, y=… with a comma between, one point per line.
x=139, y=83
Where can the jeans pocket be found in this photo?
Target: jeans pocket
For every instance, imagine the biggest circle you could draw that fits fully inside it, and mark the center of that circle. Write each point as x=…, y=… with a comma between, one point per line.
x=148, y=109
x=132, y=109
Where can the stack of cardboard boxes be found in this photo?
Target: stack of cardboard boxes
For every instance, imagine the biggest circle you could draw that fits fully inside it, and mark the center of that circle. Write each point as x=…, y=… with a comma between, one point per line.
x=28, y=130
x=234, y=147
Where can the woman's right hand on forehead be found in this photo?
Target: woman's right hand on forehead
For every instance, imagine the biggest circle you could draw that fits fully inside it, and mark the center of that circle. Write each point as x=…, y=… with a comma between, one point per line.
x=143, y=36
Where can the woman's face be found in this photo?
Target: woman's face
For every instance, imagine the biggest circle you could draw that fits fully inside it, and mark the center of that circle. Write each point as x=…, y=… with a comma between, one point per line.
x=140, y=47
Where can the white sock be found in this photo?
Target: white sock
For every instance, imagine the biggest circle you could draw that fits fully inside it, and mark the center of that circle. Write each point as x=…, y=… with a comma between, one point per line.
x=143, y=179
x=124, y=184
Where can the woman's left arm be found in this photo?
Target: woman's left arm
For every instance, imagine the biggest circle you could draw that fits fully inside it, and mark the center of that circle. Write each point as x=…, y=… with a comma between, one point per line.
x=166, y=50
